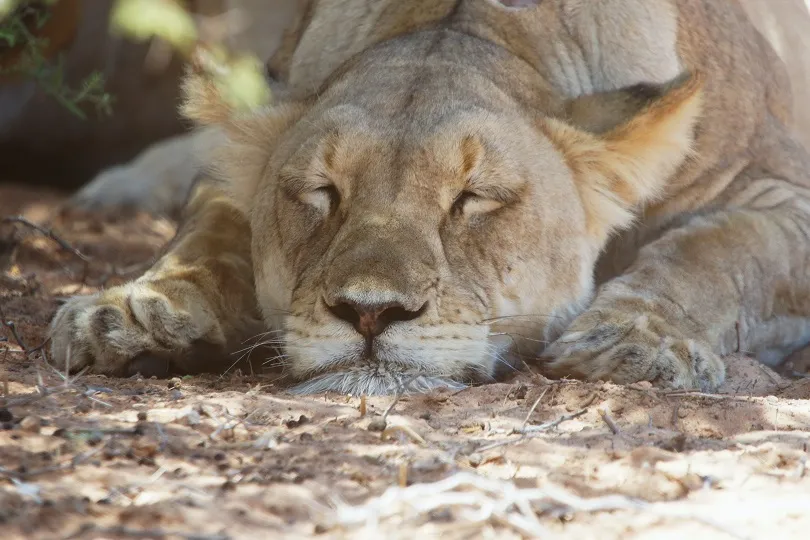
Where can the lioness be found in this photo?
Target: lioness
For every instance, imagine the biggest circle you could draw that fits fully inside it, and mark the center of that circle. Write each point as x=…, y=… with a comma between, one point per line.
x=447, y=183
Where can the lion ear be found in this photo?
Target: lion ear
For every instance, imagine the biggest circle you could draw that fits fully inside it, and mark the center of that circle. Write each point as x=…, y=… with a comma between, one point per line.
x=624, y=146
x=249, y=136
x=202, y=103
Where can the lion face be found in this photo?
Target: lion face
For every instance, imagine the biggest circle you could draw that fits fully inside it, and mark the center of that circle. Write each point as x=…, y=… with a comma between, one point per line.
x=417, y=222
x=409, y=248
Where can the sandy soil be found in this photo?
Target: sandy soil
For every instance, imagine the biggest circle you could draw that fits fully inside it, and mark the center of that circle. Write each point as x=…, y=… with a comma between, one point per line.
x=236, y=456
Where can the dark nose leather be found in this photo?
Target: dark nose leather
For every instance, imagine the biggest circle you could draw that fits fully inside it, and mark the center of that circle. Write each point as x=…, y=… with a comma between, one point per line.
x=371, y=320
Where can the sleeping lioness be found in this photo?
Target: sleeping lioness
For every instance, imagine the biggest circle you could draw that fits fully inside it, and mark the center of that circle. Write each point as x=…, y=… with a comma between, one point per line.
x=614, y=186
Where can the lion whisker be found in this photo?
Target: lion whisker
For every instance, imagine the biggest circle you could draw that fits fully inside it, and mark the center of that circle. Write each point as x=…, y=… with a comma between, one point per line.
x=524, y=316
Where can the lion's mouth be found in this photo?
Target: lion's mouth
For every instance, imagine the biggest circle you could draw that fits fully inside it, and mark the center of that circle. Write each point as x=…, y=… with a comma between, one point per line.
x=387, y=367
x=374, y=383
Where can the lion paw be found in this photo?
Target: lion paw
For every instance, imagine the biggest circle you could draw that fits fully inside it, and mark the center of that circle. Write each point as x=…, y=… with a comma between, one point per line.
x=626, y=348
x=132, y=328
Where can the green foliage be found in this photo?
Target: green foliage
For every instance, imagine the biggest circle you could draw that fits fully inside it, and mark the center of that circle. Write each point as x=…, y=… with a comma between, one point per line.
x=238, y=77
x=15, y=19
x=143, y=19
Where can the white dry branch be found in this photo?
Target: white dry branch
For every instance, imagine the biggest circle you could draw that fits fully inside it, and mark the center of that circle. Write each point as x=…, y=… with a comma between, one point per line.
x=472, y=500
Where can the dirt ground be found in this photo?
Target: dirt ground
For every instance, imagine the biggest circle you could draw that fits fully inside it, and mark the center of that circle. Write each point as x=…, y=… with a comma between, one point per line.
x=236, y=456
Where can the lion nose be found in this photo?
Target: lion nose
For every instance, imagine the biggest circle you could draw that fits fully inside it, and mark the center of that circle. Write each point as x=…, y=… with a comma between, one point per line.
x=370, y=319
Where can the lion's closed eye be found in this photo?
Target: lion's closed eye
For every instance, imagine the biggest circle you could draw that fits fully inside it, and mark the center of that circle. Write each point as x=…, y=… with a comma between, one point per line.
x=323, y=198
x=471, y=203
x=479, y=198
x=319, y=193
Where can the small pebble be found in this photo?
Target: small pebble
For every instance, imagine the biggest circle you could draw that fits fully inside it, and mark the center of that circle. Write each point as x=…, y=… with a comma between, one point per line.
x=175, y=383
x=191, y=419
x=228, y=486
x=142, y=416
x=378, y=424
x=144, y=448
x=83, y=408
x=31, y=424
x=93, y=439
x=475, y=460
x=290, y=424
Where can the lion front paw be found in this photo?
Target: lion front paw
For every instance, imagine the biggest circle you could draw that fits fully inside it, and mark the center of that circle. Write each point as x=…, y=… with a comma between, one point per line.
x=133, y=328
x=625, y=348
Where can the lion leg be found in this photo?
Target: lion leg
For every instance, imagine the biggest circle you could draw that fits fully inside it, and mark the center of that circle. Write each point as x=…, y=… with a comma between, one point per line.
x=157, y=181
x=183, y=315
x=734, y=278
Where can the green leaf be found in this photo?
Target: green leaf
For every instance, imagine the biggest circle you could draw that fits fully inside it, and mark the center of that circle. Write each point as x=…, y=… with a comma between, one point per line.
x=143, y=19
x=244, y=85
x=7, y=6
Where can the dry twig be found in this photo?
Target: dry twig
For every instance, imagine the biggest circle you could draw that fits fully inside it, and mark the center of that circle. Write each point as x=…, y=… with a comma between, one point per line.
x=363, y=407
x=401, y=389
x=609, y=421
x=534, y=406
x=161, y=534
x=697, y=394
x=8, y=323
x=77, y=460
x=48, y=233
x=476, y=500
x=532, y=431
x=389, y=432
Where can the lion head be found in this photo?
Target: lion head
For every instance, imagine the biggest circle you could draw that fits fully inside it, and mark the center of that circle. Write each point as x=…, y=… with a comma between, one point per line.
x=435, y=209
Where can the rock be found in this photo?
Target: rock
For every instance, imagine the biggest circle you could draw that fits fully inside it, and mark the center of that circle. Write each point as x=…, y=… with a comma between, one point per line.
x=378, y=424
x=31, y=424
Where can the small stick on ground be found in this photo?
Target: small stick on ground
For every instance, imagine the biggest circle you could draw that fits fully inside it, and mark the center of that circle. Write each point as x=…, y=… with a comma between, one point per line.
x=720, y=397
x=739, y=341
x=379, y=424
x=609, y=421
x=4, y=400
x=41, y=393
x=121, y=530
x=77, y=460
x=768, y=373
x=104, y=431
x=403, y=474
x=531, y=432
x=13, y=329
x=48, y=233
x=498, y=501
x=363, y=409
x=550, y=425
x=531, y=411
x=675, y=414
x=401, y=389
x=389, y=432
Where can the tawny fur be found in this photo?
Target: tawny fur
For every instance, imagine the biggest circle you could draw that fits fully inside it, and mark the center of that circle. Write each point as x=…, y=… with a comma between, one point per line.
x=644, y=147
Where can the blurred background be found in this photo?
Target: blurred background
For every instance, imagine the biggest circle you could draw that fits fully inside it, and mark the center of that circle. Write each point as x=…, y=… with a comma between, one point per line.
x=87, y=84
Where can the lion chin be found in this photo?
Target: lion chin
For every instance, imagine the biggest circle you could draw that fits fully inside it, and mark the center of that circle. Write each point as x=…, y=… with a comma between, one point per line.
x=374, y=383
